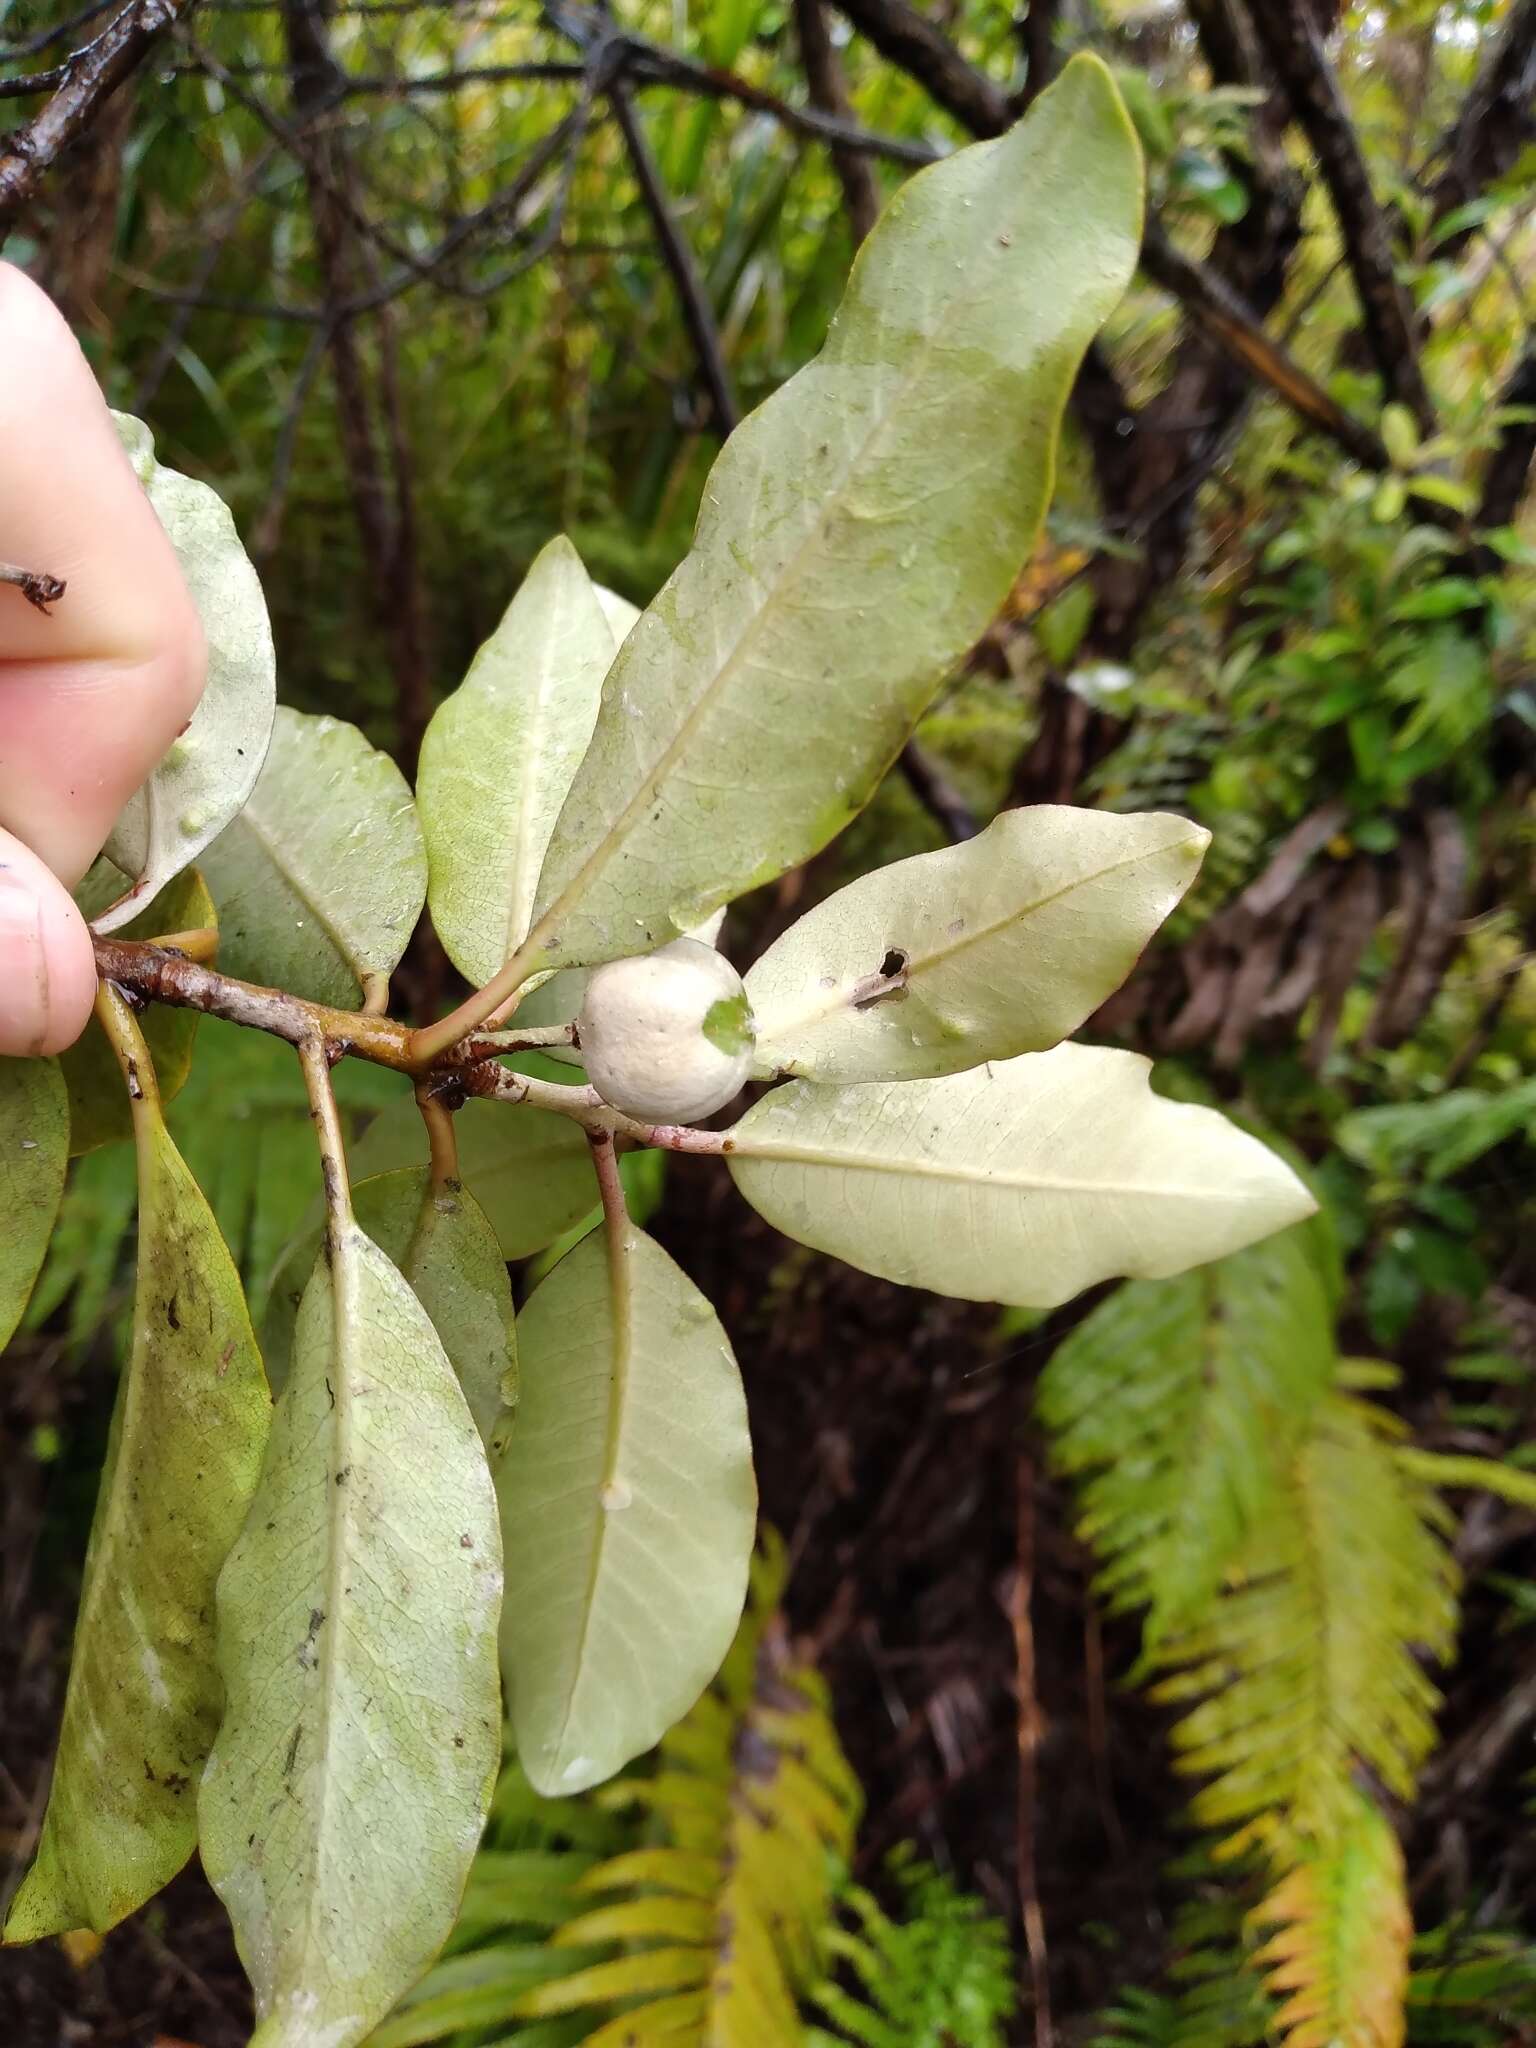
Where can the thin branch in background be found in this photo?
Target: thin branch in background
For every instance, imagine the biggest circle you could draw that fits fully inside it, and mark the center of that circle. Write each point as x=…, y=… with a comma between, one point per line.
x=92, y=76
x=936, y=793
x=828, y=90
x=45, y=38
x=1028, y=1721
x=34, y=82
x=692, y=294
x=269, y=521
x=1294, y=47
x=1496, y=121
x=218, y=237
x=1037, y=39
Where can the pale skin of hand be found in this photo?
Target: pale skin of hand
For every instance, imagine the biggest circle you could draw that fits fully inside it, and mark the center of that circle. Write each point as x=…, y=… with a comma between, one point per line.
x=91, y=694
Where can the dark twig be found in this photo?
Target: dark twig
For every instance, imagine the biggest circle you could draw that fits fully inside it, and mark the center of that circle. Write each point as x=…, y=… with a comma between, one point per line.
x=693, y=298
x=824, y=82
x=31, y=46
x=1294, y=47
x=1037, y=38
x=92, y=75
x=1496, y=121
x=36, y=585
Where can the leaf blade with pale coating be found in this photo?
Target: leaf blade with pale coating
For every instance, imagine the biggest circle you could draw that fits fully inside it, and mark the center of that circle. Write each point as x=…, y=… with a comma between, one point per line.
x=1023, y=1181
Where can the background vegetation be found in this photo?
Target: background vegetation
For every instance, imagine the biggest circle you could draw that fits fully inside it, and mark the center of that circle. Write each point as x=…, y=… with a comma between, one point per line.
x=416, y=285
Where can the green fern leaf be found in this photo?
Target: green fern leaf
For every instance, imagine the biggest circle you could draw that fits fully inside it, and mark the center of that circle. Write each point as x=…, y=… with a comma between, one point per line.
x=1177, y=1404
x=1305, y=1669
x=1339, y=1960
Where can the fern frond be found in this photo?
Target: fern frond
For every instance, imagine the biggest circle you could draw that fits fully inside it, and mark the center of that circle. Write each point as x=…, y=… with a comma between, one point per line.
x=1339, y=1960
x=1177, y=1405
x=939, y=1976
x=1305, y=1669
x=1471, y=1988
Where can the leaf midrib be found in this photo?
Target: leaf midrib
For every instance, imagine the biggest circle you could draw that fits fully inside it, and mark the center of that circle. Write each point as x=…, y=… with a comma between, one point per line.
x=620, y=1250
x=918, y=363
x=751, y=1147
x=839, y=998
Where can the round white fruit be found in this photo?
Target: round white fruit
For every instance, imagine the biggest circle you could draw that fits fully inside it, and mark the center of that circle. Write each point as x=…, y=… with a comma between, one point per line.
x=666, y=1037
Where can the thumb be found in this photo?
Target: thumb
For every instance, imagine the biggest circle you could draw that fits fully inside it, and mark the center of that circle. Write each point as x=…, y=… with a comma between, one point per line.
x=47, y=968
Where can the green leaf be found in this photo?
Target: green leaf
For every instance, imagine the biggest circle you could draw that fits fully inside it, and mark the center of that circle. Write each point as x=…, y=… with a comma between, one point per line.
x=1177, y=1405
x=321, y=878
x=1311, y=1664
x=1338, y=1962
x=857, y=534
x=34, y=1148
x=998, y=946
x=628, y=1507
x=447, y=1254
x=99, y=1108
x=1400, y=434
x=499, y=756
x=1023, y=1181
x=210, y=770
x=1435, y=1139
x=182, y=1462
x=528, y=1169
x=357, y=1630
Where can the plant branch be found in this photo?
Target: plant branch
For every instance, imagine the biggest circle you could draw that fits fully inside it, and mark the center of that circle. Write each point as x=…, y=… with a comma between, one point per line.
x=442, y=1144
x=90, y=77
x=692, y=294
x=1496, y=121
x=149, y=973
x=1294, y=47
x=915, y=46
x=828, y=91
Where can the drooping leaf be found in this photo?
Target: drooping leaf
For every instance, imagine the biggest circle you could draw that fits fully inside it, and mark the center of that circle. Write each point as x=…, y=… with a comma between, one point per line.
x=628, y=1506
x=1338, y=1960
x=357, y=1638
x=99, y=1109
x=1001, y=945
x=499, y=756
x=34, y=1149
x=321, y=878
x=528, y=1169
x=1178, y=1405
x=1023, y=1181
x=210, y=770
x=447, y=1253
x=182, y=1461
x=857, y=534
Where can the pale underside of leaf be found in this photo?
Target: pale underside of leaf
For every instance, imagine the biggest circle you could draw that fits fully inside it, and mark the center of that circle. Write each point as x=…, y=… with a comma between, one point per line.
x=182, y=1462
x=857, y=534
x=321, y=878
x=357, y=1625
x=500, y=755
x=999, y=946
x=1022, y=1181
x=34, y=1149
x=211, y=768
x=628, y=1507
x=447, y=1254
